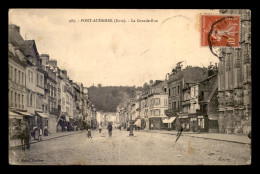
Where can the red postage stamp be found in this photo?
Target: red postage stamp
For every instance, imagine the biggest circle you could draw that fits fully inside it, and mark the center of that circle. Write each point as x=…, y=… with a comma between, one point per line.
x=220, y=30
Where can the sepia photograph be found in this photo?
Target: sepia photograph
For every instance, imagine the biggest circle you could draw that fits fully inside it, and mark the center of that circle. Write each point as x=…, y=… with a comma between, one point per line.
x=129, y=87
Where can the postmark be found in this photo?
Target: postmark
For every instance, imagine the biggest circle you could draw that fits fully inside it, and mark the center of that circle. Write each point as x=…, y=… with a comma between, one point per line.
x=220, y=30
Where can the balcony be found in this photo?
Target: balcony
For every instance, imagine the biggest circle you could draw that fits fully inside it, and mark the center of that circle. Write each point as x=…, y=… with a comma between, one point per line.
x=184, y=103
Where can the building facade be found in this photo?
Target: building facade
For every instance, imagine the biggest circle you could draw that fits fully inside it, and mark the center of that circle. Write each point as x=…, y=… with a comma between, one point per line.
x=234, y=80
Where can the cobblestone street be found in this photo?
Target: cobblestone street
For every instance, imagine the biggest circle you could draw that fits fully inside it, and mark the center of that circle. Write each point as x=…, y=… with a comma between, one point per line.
x=143, y=148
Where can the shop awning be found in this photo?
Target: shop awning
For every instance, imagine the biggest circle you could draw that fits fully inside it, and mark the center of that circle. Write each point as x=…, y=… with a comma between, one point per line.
x=165, y=121
x=25, y=113
x=43, y=115
x=213, y=117
x=171, y=119
x=15, y=115
x=138, y=122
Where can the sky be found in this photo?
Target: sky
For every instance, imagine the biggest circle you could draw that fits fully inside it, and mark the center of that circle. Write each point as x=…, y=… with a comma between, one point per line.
x=116, y=54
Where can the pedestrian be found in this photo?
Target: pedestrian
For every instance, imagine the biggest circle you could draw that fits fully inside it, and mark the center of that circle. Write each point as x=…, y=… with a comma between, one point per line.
x=152, y=126
x=179, y=134
x=100, y=128
x=27, y=137
x=45, y=130
x=89, y=133
x=40, y=134
x=109, y=128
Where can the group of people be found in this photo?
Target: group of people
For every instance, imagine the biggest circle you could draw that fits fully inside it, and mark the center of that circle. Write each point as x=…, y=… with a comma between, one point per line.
x=109, y=128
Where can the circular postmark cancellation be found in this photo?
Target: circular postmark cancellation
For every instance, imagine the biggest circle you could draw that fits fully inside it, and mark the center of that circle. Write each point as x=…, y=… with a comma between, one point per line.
x=220, y=31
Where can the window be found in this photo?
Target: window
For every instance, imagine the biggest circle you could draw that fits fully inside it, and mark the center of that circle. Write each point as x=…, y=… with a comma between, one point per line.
x=165, y=89
x=15, y=104
x=165, y=102
x=41, y=84
x=12, y=98
x=178, y=89
x=22, y=78
x=18, y=98
x=37, y=78
x=10, y=72
x=157, y=112
x=157, y=101
x=31, y=99
x=169, y=92
x=19, y=75
x=11, y=76
x=42, y=108
x=22, y=103
x=31, y=76
x=15, y=71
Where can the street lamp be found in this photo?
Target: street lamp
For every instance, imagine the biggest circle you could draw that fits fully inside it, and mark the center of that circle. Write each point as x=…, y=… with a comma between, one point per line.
x=131, y=126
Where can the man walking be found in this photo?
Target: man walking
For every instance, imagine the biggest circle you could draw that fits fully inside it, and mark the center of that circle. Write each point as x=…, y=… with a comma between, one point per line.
x=109, y=128
x=100, y=128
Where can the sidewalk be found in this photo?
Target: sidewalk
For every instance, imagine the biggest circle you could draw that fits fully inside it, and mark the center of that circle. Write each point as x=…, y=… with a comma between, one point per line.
x=17, y=143
x=234, y=138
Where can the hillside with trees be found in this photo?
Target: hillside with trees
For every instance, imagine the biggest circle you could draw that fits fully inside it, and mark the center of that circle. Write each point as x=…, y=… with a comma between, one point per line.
x=107, y=98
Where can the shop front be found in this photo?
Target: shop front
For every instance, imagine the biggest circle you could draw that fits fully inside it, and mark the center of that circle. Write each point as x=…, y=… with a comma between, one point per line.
x=169, y=124
x=156, y=123
x=41, y=120
x=193, y=122
x=15, y=120
x=70, y=126
x=18, y=122
x=29, y=118
x=184, y=122
x=138, y=124
x=202, y=123
x=213, y=124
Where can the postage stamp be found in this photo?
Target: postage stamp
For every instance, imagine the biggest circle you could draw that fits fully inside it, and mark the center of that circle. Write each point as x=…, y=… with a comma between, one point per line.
x=220, y=30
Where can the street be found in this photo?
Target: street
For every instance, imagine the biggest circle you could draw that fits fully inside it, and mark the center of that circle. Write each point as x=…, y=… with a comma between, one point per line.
x=144, y=148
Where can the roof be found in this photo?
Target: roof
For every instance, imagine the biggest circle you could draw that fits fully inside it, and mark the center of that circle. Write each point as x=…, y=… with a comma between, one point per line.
x=212, y=92
x=28, y=47
x=14, y=36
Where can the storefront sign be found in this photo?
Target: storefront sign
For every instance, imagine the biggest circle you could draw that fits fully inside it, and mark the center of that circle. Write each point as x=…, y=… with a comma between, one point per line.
x=200, y=116
x=184, y=116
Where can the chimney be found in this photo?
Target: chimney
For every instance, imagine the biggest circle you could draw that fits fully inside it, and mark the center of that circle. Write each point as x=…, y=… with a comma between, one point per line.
x=53, y=63
x=64, y=72
x=178, y=68
x=45, y=59
x=13, y=27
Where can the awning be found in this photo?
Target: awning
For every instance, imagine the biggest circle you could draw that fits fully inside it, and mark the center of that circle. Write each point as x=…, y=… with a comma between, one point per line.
x=43, y=115
x=213, y=117
x=138, y=123
x=165, y=121
x=15, y=115
x=25, y=113
x=171, y=119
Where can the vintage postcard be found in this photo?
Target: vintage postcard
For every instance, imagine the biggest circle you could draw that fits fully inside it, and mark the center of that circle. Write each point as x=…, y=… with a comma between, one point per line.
x=129, y=87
